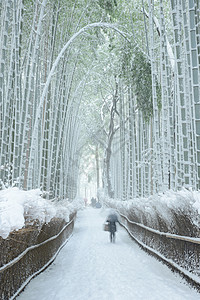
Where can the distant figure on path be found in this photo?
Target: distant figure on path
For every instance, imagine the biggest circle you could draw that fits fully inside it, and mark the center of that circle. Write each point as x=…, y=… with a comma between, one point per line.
x=98, y=205
x=112, y=219
x=86, y=201
x=93, y=202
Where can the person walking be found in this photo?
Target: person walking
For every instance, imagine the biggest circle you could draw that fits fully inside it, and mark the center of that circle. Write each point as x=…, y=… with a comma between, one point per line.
x=112, y=219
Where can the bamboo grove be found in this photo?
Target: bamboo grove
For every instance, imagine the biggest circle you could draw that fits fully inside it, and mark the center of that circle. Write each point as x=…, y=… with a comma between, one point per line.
x=122, y=77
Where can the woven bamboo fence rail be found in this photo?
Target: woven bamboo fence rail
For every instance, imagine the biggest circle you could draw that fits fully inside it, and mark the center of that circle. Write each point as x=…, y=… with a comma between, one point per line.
x=181, y=253
x=28, y=252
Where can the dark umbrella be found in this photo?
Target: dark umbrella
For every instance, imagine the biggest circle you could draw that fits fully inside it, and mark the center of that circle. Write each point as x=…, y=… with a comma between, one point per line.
x=113, y=217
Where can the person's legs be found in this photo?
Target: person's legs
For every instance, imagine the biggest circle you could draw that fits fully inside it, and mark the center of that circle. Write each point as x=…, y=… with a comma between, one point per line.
x=113, y=239
x=111, y=236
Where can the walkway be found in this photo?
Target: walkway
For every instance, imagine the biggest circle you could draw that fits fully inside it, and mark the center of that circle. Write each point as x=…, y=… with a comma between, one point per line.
x=89, y=267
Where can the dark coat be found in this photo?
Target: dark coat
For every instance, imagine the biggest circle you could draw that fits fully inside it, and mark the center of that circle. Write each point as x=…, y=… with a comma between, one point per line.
x=112, y=219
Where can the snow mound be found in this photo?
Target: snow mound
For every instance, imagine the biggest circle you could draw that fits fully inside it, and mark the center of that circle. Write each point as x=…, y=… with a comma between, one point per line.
x=18, y=206
x=174, y=212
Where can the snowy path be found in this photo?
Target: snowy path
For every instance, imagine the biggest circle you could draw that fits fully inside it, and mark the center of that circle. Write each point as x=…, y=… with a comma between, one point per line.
x=89, y=267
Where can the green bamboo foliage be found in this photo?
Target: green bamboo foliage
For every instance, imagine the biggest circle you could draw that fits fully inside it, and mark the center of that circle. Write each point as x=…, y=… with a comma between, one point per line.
x=166, y=147
x=58, y=60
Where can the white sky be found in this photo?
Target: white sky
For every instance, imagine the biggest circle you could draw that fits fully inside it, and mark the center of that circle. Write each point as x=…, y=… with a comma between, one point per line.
x=89, y=267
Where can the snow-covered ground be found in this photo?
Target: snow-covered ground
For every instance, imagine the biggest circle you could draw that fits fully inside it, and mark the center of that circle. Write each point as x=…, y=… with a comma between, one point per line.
x=89, y=267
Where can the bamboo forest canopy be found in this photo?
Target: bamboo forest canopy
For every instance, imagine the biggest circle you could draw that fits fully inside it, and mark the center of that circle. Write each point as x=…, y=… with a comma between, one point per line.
x=109, y=83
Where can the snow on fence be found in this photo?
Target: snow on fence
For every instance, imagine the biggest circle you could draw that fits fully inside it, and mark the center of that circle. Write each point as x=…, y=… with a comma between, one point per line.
x=38, y=250
x=167, y=225
x=180, y=252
